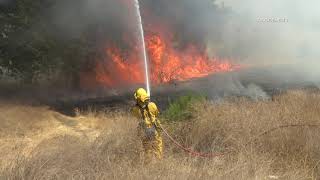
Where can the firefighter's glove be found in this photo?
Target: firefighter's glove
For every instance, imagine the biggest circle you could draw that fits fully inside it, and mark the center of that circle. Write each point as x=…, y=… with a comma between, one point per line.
x=150, y=132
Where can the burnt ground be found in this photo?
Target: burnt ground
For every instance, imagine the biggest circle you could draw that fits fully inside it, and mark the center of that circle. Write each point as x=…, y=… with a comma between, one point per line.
x=255, y=83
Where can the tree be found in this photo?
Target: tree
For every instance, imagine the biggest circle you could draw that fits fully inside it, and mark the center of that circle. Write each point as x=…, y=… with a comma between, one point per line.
x=30, y=51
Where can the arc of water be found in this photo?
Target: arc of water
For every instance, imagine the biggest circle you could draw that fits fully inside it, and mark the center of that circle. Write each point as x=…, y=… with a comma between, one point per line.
x=145, y=59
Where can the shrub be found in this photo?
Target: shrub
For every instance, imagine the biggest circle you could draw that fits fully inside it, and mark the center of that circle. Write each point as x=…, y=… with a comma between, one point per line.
x=181, y=108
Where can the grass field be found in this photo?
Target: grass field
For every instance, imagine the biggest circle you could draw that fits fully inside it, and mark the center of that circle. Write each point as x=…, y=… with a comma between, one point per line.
x=38, y=143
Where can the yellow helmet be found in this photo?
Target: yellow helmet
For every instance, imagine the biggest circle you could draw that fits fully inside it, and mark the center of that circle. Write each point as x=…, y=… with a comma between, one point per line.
x=141, y=95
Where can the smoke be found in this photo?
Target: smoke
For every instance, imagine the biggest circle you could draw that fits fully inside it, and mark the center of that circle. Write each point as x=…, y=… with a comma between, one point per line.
x=239, y=30
x=4, y=2
x=227, y=28
x=264, y=33
x=277, y=38
x=225, y=85
x=103, y=20
x=272, y=31
x=256, y=33
x=190, y=21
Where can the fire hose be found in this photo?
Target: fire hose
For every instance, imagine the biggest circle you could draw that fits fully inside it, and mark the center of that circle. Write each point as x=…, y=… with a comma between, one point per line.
x=189, y=150
x=216, y=154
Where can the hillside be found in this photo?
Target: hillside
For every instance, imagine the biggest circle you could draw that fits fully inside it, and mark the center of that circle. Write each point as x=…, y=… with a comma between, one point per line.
x=39, y=143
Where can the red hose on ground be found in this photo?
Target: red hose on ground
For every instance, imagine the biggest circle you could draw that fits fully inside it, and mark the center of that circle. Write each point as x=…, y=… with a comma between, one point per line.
x=214, y=154
x=190, y=151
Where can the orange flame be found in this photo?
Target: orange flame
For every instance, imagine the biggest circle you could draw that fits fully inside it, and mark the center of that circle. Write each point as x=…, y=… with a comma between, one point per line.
x=167, y=64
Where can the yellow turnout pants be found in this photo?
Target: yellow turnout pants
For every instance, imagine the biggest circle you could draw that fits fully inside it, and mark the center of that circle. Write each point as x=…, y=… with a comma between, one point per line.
x=153, y=147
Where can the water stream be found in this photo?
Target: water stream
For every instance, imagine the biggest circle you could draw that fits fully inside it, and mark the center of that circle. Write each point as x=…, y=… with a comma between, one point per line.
x=145, y=59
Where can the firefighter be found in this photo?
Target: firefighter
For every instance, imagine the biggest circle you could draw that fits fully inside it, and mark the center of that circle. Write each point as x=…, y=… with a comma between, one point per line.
x=149, y=127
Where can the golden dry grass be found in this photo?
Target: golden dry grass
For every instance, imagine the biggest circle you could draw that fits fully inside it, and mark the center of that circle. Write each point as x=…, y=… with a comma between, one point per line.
x=37, y=143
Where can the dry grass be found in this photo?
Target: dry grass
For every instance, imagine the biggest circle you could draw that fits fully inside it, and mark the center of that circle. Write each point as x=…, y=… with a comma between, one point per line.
x=104, y=145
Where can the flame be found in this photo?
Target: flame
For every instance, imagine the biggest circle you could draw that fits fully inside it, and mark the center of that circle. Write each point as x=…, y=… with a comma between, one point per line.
x=168, y=61
x=120, y=70
x=166, y=64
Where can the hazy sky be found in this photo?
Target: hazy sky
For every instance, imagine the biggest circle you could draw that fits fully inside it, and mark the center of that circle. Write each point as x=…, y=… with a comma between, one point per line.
x=296, y=39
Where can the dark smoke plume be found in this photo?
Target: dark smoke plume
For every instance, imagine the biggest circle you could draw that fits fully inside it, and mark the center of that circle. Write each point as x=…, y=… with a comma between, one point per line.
x=237, y=30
